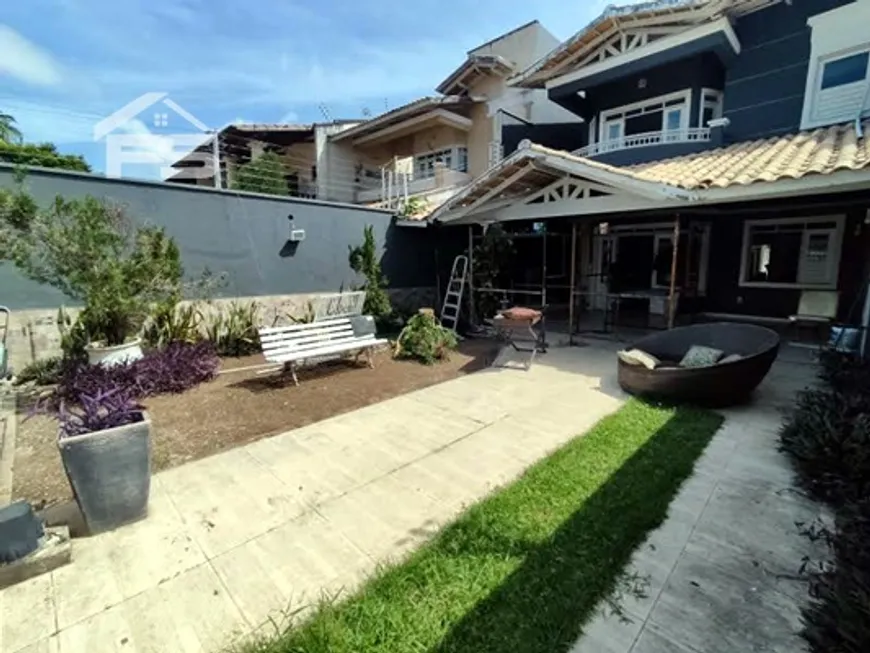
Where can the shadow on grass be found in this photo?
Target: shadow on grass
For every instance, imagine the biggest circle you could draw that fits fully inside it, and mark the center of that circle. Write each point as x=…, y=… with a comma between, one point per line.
x=542, y=605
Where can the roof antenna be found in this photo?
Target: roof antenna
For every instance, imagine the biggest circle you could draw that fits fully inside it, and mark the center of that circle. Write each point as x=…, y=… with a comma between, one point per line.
x=324, y=111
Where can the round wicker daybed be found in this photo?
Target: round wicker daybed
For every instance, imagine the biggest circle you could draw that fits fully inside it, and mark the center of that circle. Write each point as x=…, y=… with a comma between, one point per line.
x=720, y=384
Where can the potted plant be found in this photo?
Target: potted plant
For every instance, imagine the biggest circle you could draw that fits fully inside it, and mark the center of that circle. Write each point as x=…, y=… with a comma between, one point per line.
x=91, y=252
x=105, y=446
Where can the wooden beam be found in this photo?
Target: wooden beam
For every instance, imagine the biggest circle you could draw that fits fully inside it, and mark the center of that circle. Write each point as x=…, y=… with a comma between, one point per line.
x=672, y=309
x=572, y=282
x=499, y=188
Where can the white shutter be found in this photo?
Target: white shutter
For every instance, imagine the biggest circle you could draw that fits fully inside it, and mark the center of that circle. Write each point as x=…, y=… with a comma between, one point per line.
x=840, y=103
x=817, y=256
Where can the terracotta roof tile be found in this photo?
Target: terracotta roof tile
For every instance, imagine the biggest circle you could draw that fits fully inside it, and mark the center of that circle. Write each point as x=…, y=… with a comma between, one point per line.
x=792, y=156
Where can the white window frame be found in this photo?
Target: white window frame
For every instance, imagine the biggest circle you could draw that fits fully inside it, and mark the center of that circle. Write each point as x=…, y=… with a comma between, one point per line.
x=452, y=150
x=834, y=251
x=835, y=34
x=649, y=105
x=718, y=107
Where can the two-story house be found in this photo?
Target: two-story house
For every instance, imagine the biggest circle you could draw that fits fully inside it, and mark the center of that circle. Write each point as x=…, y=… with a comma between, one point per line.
x=721, y=166
x=430, y=148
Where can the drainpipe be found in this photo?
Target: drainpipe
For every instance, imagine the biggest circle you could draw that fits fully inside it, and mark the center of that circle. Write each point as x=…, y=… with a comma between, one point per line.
x=859, y=128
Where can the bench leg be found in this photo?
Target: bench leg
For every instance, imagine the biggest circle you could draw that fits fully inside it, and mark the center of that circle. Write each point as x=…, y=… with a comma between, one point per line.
x=291, y=367
x=370, y=358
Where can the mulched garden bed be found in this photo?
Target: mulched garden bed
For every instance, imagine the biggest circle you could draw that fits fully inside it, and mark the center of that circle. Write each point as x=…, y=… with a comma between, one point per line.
x=238, y=407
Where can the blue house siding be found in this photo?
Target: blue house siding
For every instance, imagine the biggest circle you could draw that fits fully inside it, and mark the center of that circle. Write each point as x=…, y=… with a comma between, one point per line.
x=560, y=136
x=764, y=86
x=651, y=153
x=695, y=72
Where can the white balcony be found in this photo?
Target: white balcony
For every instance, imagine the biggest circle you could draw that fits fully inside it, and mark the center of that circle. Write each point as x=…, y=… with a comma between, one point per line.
x=647, y=139
x=396, y=187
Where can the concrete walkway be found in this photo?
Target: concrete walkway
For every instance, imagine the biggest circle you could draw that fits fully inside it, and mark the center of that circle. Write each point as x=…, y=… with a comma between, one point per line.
x=237, y=539
x=723, y=568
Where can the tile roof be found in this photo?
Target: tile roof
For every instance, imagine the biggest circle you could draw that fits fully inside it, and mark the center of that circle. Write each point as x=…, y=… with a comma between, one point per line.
x=815, y=152
x=616, y=18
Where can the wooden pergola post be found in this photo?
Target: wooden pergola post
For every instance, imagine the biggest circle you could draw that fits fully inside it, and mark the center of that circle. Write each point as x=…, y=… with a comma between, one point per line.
x=571, y=283
x=471, y=319
x=672, y=309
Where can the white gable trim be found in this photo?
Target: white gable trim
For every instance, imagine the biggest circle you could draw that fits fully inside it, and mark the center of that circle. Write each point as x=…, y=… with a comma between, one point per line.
x=687, y=36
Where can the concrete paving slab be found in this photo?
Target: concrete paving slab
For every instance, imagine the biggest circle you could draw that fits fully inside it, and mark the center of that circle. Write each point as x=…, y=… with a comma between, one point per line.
x=652, y=641
x=192, y=612
x=27, y=613
x=229, y=499
x=712, y=609
x=607, y=633
x=284, y=571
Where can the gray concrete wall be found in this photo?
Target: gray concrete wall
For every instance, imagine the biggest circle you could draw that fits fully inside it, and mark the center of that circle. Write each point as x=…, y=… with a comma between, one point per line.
x=243, y=235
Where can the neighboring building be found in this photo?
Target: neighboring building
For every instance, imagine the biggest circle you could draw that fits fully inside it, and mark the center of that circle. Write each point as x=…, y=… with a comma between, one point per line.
x=430, y=148
x=301, y=148
x=740, y=123
x=427, y=149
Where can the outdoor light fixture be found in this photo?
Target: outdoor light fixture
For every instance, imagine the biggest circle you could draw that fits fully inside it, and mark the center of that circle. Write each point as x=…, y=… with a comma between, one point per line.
x=296, y=235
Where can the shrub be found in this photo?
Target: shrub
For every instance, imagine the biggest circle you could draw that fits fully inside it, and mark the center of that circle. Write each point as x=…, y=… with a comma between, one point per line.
x=173, y=369
x=107, y=409
x=265, y=174
x=171, y=322
x=844, y=372
x=425, y=340
x=233, y=329
x=837, y=620
x=828, y=440
x=363, y=259
x=91, y=252
x=44, y=155
x=46, y=371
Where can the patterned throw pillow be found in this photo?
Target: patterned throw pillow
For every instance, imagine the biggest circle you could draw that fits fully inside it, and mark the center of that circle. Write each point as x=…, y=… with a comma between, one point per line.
x=638, y=357
x=700, y=356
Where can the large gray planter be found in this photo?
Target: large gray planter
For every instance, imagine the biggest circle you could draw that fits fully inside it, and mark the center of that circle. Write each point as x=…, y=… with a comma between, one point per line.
x=110, y=473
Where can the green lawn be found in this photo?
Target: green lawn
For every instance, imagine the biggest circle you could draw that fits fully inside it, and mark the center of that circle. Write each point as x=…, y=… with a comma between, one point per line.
x=522, y=570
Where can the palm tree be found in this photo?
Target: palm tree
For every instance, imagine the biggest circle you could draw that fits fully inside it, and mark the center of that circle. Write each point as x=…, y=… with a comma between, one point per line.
x=9, y=133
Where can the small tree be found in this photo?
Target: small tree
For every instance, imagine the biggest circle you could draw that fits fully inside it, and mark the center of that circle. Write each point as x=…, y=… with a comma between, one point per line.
x=88, y=250
x=364, y=260
x=264, y=174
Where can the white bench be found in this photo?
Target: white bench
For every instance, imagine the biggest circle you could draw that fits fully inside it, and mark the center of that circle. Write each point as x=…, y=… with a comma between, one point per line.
x=295, y=344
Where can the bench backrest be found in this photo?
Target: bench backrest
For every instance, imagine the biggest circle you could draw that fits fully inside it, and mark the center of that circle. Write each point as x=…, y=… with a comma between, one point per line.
x=309, y=337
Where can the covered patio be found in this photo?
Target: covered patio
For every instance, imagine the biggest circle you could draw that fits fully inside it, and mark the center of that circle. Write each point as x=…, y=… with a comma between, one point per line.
x=738, y=233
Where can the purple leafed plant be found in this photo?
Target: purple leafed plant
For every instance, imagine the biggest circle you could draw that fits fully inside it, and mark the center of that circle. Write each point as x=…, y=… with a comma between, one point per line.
x=175, y=368
x=107, y=409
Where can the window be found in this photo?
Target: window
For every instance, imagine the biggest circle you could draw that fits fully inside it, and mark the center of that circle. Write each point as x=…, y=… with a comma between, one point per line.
x=673, y=119
x=462, y=158
x=659, y=114
x=848, y=70
x=793, y=252
x=711, y=106
x=424, y=164
x=453, y=158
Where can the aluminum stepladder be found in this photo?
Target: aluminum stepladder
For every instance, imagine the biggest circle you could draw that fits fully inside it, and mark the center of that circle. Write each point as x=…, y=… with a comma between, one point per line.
x=451, y=306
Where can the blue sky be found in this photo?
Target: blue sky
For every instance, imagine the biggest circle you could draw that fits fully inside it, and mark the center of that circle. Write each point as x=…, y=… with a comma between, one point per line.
x=67, y=64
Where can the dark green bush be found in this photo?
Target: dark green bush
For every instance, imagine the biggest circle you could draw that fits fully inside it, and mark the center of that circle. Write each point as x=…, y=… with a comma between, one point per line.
x=844, y=372
x=828, y=440
x=425, y=340
x=837, y=619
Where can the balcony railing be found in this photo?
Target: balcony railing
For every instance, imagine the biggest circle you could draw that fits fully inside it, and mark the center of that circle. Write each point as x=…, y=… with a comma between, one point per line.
x=396, y=187
x=647, y=139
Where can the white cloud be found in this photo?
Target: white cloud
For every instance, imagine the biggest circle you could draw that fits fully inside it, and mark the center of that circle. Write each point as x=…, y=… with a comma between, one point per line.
x=25, y=61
